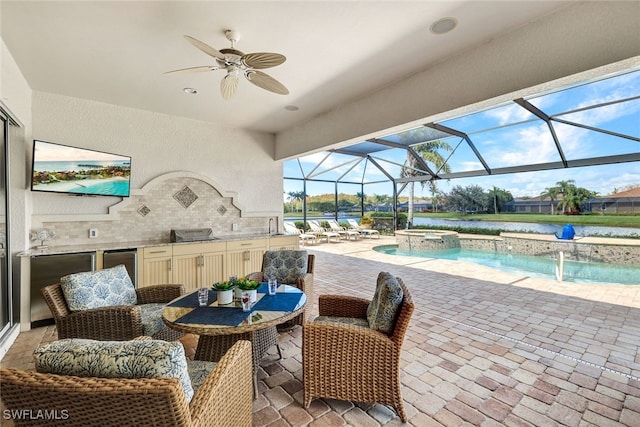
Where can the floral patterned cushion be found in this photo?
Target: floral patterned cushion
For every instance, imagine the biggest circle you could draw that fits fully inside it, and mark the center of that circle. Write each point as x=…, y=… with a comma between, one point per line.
x=383, y=309
x=286, y=266
x=344, y=320
x=151, y=315
x=198, y=371
x=115, y=359
x=95, y=289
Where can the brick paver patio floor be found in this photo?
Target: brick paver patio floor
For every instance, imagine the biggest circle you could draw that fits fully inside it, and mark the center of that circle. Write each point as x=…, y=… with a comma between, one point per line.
x=484, y=348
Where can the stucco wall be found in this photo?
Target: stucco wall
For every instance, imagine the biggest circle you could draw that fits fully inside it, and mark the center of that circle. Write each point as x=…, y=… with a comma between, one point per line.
x=15, y=97
x=239, y=161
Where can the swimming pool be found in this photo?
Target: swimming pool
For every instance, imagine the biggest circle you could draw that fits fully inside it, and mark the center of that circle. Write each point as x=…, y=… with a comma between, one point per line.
x=534, y=266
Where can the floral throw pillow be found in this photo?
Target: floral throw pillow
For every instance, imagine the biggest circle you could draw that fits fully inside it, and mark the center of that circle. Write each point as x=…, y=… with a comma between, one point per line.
x=115, y=359
x=286, y=266
x=95, y=289
x=384, y=307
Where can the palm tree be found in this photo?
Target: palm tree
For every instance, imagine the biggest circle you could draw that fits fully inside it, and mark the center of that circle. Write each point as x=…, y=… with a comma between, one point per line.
x=435, y=193
x=567, y=189
x=551, y=193
x=430, y=152
x=295, y=196
x=573, y=196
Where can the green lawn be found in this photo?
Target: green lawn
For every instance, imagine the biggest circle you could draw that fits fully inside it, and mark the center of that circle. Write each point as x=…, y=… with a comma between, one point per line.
x=603, y=220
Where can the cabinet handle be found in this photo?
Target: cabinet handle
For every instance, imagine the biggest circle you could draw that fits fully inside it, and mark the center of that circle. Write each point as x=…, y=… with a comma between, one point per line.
x=245, y=244
x=170, y=264
x=157, y=252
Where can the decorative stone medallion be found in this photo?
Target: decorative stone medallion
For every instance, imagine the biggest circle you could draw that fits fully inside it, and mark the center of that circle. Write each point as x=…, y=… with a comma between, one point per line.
x=185, y=197
x=222, y=210
x=144, y=210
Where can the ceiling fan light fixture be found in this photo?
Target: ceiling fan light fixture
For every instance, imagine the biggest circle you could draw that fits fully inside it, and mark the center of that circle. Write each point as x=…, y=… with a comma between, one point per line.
x=237, y=63
x=233, y=36
x=443, y=25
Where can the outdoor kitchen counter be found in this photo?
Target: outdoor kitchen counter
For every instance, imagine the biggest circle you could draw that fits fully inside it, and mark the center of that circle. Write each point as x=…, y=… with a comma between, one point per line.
x=240, y=252
x=100, y=247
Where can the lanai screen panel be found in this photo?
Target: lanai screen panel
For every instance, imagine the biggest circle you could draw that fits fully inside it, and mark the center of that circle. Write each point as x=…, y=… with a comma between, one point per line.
x=596, y=122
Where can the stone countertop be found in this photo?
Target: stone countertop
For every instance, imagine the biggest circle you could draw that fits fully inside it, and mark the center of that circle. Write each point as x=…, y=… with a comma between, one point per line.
x=114, y=246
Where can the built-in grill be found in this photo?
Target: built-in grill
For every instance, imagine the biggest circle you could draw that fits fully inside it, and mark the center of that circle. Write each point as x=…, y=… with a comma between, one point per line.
x=191, y=235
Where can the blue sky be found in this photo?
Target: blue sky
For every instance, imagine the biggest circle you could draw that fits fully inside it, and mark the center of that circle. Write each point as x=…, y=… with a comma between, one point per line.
x=509, y=135
x=47, y=151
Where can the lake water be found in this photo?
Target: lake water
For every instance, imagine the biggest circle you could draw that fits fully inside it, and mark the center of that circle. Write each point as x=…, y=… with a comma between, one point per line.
x=581, y=230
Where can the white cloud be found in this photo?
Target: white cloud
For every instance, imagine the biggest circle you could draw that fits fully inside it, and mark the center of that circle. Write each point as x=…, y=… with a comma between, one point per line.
x=511, y=113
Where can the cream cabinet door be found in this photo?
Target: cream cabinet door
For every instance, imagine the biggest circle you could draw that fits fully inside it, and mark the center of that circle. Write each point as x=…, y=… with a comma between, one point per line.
x=199, y=264
x=156, y=266
x=213, y=268
x=245, y=256
x=186, y=271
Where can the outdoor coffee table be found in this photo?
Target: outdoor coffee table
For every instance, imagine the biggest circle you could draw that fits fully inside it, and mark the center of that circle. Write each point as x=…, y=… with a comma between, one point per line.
x=220, y=326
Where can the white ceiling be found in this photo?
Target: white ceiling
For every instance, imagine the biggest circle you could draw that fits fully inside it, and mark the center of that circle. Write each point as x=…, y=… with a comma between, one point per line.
x=337, y=51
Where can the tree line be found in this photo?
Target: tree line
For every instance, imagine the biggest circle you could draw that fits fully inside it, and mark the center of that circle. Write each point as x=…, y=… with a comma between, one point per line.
x=564, y=196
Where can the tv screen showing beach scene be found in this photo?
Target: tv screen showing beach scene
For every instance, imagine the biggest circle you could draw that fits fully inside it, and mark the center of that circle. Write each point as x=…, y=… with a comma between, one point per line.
x=61, y=168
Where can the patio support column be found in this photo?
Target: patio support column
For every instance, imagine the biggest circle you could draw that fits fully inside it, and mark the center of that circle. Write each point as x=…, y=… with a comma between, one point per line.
x=395, y=206
x=335, y=200
x=361, y=200
x=304, y=205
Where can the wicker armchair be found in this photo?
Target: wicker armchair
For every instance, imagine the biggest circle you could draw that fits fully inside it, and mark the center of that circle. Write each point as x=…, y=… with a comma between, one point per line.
x=118, y=323
x=304, y=283
x=224, y=399
x=350, y=362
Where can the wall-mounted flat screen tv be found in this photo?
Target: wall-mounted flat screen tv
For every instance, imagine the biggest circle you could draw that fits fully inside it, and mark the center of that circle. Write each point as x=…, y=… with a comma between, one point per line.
x=61, y=168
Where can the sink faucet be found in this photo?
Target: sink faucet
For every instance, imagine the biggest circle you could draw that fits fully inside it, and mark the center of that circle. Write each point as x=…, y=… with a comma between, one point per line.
x=270, y=222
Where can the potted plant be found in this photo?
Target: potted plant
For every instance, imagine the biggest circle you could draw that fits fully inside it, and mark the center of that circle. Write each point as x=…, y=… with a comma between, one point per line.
x=224, y=291
x=250, y=286
x=366, y=222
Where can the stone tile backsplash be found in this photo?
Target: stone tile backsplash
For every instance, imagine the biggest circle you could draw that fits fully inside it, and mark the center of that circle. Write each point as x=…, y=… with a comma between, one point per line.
x=179, y=202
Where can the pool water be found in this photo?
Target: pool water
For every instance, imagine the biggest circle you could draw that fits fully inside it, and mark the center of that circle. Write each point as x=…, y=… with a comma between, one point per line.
x=534, y=266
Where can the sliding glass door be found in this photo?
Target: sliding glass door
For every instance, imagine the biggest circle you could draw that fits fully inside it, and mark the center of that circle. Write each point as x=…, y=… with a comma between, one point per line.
x=5, y=254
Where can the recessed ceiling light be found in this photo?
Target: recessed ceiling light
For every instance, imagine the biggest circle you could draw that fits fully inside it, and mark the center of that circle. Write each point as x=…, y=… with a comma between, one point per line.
x=292, y=108
x=190, y=90
x=444, y=25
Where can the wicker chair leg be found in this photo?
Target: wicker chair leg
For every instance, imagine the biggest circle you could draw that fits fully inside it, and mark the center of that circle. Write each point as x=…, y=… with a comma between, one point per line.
x=306, y=400
x=400, y=411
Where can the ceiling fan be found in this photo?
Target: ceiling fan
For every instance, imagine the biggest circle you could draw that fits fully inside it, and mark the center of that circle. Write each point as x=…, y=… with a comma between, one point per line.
x=237, y=63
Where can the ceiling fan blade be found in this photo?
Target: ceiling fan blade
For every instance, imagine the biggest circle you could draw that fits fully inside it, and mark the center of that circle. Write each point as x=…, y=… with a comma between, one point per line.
x=228, y=85
x=263, y=59
x=192, y=70
x=205, y=48
x=265, y=81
